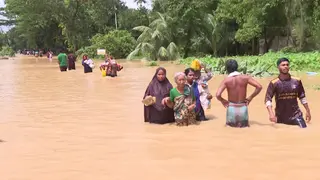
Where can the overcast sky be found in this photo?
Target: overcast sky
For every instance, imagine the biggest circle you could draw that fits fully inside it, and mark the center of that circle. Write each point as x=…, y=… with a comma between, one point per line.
x=129, y=3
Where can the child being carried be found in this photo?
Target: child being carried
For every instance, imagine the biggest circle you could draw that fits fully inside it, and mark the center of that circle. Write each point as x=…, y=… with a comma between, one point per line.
x=205, y=96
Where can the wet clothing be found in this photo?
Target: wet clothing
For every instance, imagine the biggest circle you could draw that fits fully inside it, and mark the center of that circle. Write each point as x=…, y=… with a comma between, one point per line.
x=86, y=65
x=62, y=58
x=204, y=77
x=286, y=92
x=182, y=115
x=157, y=113
x=63, y=68
x=299, y=122
x=71, y=62
x=237, y=115
x=199, y=110
x=204, y=93
x=114, y=69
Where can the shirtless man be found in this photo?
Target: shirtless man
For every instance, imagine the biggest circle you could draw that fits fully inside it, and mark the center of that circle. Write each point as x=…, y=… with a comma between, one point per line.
x=287, y=89
x=237, y=103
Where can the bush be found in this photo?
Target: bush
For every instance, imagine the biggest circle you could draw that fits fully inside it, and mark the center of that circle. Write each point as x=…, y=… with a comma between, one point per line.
x=89, y=50
x=118, y=43
x=153, y=63
x=7, y=51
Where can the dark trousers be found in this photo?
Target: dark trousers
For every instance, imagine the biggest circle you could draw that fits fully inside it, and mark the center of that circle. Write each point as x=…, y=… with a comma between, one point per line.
x=200, y=115
x=299, y=121
x=63, y=68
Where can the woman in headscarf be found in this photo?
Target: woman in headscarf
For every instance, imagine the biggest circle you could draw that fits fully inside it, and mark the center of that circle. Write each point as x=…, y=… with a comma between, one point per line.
x=183, y=100
x=159, y=87
x=87, y=64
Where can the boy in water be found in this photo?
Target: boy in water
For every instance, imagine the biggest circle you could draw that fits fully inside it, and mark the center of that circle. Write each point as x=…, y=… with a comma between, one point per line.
x=287, y=89
x=237, y=103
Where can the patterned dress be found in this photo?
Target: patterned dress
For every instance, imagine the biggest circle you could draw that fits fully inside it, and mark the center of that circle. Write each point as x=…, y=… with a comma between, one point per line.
x=183, y=116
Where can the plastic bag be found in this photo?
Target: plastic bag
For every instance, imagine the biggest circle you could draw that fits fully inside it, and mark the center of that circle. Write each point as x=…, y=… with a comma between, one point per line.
x=104, y=73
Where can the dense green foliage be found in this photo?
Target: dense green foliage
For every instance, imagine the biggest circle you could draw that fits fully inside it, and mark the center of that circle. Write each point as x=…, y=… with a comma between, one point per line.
x=118, y=43
x=7, y=51
x=171, y=29
x=262, y=65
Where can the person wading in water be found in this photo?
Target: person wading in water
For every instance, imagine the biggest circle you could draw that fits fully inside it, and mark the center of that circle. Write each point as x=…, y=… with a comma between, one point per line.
x=237, y=103
x=287, y=89
x=62, y=60
x=71, y=61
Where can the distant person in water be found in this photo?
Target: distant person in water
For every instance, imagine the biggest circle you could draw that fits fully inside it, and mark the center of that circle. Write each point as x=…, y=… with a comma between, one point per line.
x=237, y=103
x=113, y=67
x=183, y=101
x=287, y=89
x=49, y=55
x=159, y=87
x=62, y=60
x=87, y=64
x=105, y=65
x=71, y=61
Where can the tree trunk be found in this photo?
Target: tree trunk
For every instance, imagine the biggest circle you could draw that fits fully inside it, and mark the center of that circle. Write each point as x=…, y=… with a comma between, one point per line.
x=187, y=46
x=253, y=47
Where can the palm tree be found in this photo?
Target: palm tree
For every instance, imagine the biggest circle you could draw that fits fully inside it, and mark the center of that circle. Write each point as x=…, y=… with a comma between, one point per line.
x=153, y=40
x=140, y=2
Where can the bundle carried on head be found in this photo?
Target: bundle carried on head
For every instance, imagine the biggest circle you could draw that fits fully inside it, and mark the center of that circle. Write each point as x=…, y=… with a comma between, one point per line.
x=196, y=65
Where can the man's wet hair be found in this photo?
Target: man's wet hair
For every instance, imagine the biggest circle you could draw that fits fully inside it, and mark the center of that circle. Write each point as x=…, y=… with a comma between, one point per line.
x=282, y=60
x=231, y=66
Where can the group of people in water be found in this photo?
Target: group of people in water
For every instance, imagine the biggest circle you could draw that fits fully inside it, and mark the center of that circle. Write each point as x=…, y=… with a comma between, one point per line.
x=109, y=67
x=186, y=103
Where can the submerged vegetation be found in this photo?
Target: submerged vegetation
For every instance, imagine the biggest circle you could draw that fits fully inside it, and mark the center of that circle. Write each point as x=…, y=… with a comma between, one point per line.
x=263, y=65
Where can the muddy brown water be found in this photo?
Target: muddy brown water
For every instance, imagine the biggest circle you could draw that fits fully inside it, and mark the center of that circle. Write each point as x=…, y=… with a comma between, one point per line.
x=76, y=126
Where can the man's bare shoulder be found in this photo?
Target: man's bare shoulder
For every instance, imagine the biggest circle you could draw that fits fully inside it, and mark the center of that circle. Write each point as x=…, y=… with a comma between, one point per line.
x=242, y=76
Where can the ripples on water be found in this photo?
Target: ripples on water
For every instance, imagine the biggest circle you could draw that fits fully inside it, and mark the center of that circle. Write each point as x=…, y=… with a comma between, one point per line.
x=82, y=126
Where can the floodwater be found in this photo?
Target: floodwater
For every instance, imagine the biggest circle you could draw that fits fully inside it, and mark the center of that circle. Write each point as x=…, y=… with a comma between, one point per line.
x=76, y=126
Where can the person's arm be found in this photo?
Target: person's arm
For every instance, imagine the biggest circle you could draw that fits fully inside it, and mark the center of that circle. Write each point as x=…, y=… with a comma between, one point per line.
x=200, y=89
x=209, y=74
x=170, y=102
x=59, y=59
x=194, y=102
x=268, y=102
x=303, y=100
x=148, y=91
x=220, y=90
x=258, y=89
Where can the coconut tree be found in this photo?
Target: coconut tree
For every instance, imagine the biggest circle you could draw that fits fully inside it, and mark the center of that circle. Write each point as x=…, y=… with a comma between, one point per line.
x=154, y=41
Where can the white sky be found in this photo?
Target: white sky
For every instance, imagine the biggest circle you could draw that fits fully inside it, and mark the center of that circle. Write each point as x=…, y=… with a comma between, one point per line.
x=129, y=3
